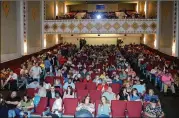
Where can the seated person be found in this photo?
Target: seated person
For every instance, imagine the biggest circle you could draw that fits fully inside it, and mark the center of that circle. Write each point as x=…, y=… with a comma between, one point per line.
x=123, y=95
x=134, y=96
x=69, y=93
x=48, y=73
x=117, y=80
x=140, y=87
x=46, y=85
x=58, y=83
x=34, y=84
x=56, y=108
x=150, y=95
x=51, y=94
x=12, y=101
x=104, y=108
x=153, y=110
x=87, y=79
x=86, y=104
x=25, y=105
x=97, y=80
x=76, y=79
x=102, y=87
x=123, y=75
x=167, y=81
x=11, y=79
x=109, y=94
x=69, y=83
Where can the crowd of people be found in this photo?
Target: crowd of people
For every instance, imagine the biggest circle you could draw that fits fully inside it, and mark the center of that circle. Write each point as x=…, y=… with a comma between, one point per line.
x=103, y=65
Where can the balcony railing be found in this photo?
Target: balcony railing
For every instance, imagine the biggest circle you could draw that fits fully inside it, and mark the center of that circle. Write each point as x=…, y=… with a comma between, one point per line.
x=102, y=26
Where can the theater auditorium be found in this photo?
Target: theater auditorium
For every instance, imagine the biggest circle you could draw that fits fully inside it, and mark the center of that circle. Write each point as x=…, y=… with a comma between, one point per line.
x=89, y=58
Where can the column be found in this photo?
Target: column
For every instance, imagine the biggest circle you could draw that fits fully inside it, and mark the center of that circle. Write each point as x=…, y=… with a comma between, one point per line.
x=42, y=24
x=146, y=8
x=158, y=25
x=20, y=27
x=55, y=9
x=177, y=31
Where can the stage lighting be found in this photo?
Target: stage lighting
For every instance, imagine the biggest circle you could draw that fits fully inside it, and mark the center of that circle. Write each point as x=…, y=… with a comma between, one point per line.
x=98, y=16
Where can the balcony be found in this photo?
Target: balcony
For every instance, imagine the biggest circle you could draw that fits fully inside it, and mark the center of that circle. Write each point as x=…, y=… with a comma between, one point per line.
x=100, y=26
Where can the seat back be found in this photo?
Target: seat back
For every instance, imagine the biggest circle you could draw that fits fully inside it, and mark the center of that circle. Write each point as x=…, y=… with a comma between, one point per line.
x=91, y=86
x=115, y=88
x=31, y=92
x=134, y=108
x=118, y=108
x=81, y=94
x=60, y=90
x=95, y=95
x=52, y=100
x=80, y=86
x=70, y=105
x=49, y=79
x=41, y=106
x=97, y=102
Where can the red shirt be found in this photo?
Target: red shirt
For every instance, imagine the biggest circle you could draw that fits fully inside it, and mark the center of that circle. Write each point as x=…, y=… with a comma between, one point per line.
x=100, y=87
x=87, y=81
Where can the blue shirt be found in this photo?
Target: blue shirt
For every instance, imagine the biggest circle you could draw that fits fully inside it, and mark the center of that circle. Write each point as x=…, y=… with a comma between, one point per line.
x=67, y=84
x=109, y=96
x=104, y=109
x=148, y=97
x=36, y=100
x=134, y=98
x=140, y=88
x=117, y=82
x=47, y=63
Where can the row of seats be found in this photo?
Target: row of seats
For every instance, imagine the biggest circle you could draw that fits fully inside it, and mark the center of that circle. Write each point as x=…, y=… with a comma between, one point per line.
x=118, y=108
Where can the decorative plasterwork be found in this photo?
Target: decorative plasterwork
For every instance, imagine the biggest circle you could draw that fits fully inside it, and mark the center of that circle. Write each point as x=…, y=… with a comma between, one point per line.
x=101, y=26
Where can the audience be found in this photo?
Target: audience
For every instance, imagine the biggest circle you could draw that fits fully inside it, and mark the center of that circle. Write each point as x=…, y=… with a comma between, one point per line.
x=69, y=83
x=109, y=94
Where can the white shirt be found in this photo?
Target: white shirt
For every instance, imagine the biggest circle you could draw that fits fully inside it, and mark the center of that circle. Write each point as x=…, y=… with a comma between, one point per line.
x=47, y=86
x=57, y=105
x=53, y=94
x=35, y=71
x=13, y=76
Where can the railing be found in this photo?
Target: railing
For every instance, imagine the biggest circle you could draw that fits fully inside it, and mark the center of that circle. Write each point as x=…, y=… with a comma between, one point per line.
x=102, y=26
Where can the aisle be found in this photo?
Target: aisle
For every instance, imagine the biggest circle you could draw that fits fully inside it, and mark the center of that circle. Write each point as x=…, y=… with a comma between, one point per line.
x=170, y=104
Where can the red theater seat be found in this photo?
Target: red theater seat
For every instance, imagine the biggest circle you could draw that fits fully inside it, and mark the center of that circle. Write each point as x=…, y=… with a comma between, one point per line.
x=118, y=108
x=70, y=105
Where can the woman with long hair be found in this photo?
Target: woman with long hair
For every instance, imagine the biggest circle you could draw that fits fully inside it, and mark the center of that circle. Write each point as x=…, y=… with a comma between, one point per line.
x=25, y=106
x=86, y=105
x=69, y=93
x=104, y=108
x=123, y=95
x=134, y=95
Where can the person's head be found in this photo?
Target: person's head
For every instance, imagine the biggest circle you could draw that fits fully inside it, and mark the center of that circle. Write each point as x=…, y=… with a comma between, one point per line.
x=36, y=64
x=104, y=100
x=26, y=98
x=57, y=95
x=69, y=80
x=129, y=78
x=11, y=72
x=134, y=91
x=13, y=94
x=109, y=90
x=151, y=92
x=123, y=90
x=86, y=100
x=88, y=77
x=153, y=102
x=69, y=90
x=52, y=89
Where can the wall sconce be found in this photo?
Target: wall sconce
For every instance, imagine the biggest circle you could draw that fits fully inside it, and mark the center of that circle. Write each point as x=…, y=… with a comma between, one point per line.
x=56, y=8
x=25, y=47
x=173, y=48
x=45, y=43
x=98, y=34
x=56, y=36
